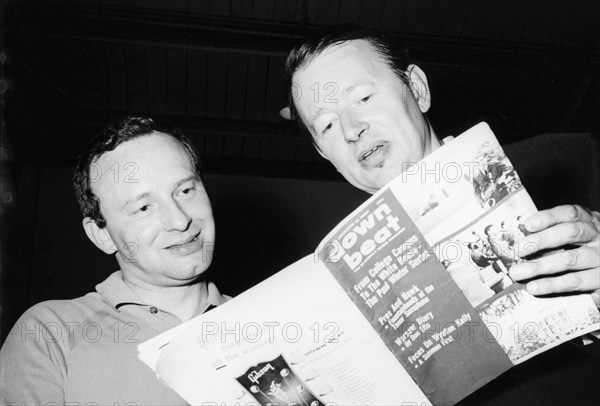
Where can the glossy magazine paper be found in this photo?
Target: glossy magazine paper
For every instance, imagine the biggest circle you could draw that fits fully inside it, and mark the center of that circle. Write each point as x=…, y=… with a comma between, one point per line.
x=407, y=301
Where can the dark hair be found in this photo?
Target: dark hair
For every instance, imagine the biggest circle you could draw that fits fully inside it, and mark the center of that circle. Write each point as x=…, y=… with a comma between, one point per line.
x=392, y=52
x=116, y=134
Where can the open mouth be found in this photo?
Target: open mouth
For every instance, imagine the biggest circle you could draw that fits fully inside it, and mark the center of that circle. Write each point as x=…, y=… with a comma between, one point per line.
x=374, y=155
x=370, y=152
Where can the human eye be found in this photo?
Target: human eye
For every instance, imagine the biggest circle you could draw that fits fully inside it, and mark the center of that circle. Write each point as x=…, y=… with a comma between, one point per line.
x=328, y=126
x=142, y=209
x=365, y=99
x=188, y=189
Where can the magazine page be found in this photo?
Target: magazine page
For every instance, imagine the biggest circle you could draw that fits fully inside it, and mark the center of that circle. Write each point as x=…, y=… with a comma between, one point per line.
x=426, y=261
x=149, y=352
x=393, y=276
x=408, y=300
x=295, y=338
x=469, y=203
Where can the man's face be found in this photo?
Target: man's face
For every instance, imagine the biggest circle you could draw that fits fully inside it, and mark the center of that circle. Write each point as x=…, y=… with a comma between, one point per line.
x=362, y=117
x=157, y=212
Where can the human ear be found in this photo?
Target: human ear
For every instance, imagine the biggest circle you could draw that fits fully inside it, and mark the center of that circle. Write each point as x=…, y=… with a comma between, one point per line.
x=419, y=87
x=286, y=113
x=99, y=236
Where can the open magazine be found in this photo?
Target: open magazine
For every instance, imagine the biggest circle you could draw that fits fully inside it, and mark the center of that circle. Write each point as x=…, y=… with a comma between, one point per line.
x=407, y=301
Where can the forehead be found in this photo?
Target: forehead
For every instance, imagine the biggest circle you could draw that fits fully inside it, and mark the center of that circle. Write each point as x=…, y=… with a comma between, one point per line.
x=148, y=159
x=356, y=57
x=338, y=68
x=146, y=149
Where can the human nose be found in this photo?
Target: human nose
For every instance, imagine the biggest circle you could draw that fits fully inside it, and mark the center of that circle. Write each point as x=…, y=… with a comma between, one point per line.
x=353, y=127
x=176, y=218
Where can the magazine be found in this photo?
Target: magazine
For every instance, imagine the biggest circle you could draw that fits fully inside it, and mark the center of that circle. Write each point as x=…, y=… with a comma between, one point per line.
x=407, y=301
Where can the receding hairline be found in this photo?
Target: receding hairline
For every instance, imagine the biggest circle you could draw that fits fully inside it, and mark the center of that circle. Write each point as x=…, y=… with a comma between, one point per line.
x=181, y=146
x=142, y=136
x=328, y=49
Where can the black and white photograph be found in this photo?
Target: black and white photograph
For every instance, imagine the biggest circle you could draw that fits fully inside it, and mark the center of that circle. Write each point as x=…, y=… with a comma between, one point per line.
x=494, y=177
x=519, y=334
x=479, y=256
x=457, y=184
x=161, y=158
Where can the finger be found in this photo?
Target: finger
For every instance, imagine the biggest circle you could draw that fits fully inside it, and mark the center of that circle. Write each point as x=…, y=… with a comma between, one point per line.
x=560, y=214
x=581, y=281
x=565, y=260
x=596, y=297
x=575, y=232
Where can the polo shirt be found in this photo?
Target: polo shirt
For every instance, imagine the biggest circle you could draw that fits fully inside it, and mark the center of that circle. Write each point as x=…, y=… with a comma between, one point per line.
x=84, y=351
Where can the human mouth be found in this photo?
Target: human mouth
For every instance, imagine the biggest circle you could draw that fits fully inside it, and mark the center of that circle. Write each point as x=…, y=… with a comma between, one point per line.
x=187, y=246
x=374, y=155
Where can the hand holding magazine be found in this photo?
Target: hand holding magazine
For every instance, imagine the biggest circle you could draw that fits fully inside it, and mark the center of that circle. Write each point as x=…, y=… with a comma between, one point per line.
x=407, y=301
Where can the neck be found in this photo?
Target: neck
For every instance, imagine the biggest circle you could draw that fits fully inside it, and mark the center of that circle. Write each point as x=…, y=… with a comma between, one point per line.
x=184, y=302
x=434, y=140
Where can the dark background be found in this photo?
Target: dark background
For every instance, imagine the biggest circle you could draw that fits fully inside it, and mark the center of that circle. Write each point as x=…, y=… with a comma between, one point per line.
x=214, y=69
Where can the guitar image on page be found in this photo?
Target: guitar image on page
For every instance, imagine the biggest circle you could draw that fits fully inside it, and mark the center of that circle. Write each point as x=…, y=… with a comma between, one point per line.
x=274, y=383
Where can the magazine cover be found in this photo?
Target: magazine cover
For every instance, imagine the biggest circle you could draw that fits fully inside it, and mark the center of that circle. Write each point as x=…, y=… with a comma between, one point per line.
x=407, y=301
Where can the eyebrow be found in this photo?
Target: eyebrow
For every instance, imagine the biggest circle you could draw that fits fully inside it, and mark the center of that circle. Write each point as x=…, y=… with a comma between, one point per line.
x=315, y=115
x=354, y=86
x=349, y=89
x=135, y=199
x=191, y=177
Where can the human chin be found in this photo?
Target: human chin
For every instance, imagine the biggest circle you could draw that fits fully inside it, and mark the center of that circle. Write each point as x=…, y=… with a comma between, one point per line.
x=192, y=267
x=364, y=183
x=375, y=179
x=199, y=258
x=390, y=172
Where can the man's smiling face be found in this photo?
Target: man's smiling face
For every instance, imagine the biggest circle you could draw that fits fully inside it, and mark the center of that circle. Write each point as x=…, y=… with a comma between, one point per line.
x=158, y=218
x=362, y=116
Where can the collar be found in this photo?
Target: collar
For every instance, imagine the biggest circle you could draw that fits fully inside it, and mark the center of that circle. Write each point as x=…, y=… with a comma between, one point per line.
x=215, y=298
x=116, y=293
x=447, y=139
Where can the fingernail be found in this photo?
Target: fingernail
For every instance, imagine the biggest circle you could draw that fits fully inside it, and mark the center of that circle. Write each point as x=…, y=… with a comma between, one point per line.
x=533, y=287
x=515, y=271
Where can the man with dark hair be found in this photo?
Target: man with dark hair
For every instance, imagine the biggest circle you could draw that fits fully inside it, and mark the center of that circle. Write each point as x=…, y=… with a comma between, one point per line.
x=364, y=107
x=142, y=198
x=387, y=48
x=365, y=111
x=87, y=169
